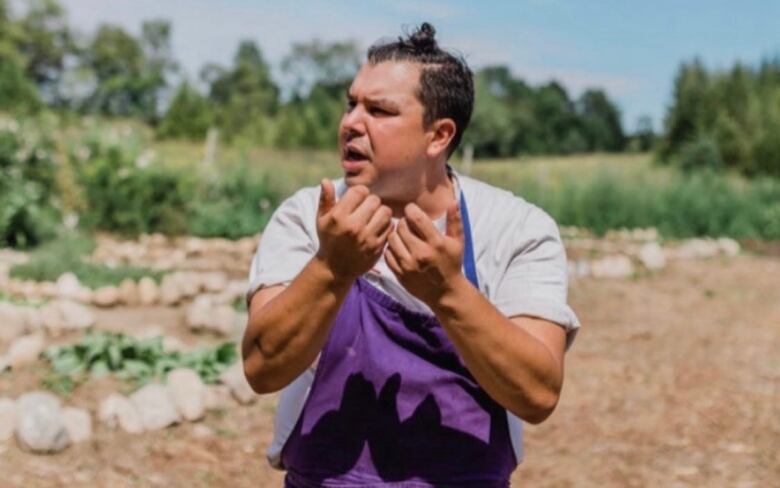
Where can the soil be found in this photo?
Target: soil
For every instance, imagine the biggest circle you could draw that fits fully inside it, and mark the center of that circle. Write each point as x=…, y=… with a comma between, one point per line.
x=674, y=380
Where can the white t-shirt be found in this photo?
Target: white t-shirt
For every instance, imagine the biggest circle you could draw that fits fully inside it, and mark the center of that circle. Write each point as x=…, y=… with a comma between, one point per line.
x=520, y=260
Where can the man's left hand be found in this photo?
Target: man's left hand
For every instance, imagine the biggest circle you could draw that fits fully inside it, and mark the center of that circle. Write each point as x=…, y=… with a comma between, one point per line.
x=426, y=262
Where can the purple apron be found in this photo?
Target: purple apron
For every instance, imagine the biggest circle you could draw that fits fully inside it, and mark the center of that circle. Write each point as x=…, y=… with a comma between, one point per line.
x=392, y=403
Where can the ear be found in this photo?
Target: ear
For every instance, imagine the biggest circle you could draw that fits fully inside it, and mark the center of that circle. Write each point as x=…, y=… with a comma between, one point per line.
x=442, y=132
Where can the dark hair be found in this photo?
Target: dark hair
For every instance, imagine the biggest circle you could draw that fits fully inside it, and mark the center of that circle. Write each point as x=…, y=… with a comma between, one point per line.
x=446, y=82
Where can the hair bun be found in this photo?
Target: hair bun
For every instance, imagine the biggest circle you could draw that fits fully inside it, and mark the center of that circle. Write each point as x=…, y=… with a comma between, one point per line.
x=423, y=39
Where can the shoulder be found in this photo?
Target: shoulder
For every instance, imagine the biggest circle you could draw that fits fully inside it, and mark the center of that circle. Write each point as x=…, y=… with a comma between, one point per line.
x=494, y=210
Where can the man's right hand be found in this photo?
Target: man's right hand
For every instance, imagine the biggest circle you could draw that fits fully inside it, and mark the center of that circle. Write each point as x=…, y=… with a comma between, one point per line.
x=352, y=232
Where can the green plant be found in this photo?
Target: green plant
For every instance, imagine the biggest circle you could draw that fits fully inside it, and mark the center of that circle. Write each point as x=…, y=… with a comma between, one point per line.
x=136, y=361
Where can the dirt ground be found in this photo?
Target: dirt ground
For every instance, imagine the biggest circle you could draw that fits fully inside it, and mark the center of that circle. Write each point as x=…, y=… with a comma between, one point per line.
x=674, y=380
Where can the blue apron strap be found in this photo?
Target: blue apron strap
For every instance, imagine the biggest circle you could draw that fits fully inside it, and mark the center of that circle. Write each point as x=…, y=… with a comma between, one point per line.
x=469, y=265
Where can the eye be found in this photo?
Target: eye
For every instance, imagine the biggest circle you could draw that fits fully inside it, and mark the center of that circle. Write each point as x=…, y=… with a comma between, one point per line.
x=379, y=111
x=350, y=105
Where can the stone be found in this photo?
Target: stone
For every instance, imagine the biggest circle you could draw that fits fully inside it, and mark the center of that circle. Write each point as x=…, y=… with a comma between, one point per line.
x=203, y=314
x=198, y=314
x=118, y=411
x=189, y=286
x=48, y=290
x=128, y=292
x=148, y=291
x=187, y=392
x=40, y=426
x=652, y=256
x=698, y=249
x=7, y=418
x=202, y=431
x=65, y=315
x=13, y=321
x=612, y=267
x=32, y=319
x=170, y=294
x=214, y=282
x=729, y=246
x=25, y=350
x=218, y=397
x=68, y=286
x=78, y=423
x=173, y=344
x=155, y=407
x=106, y=296
x=234, y=379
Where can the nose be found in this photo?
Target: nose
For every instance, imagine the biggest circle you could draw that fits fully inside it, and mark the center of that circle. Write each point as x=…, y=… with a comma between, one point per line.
x=353, y=123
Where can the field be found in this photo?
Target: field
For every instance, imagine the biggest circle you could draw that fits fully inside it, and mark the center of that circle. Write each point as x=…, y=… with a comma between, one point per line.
x=672, y=381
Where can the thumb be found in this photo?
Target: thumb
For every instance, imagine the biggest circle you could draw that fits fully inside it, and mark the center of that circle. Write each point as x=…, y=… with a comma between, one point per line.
x=454, y=222
x=327, y=197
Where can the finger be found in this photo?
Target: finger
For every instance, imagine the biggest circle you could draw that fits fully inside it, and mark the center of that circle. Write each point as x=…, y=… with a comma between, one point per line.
x=420, y=223
x=353, y=197
x=411, y=241
x=366, y=209
x=392, y=262
x=380, y=221
x=327, y=197
x=454, y=222
x=399, y=249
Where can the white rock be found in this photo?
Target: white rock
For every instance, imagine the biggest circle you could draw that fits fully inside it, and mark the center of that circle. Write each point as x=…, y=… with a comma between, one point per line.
x=128, y=292
x=188, y=393
x=148, y=291
x=189, y=285
x=155, y=406
x=25, y=350
x=729, y=246
x=214, y=282
x=78, y=423
x=202, y=431
x=234, y=378
x=13, y=321
x=198, y=314
x=68, y=286
x=32, y=318
x=218, y=397
x=40, y=426
x=173, y=344
x=118, y=410
x=47, y=289
x=698, y=249
x=652, y=256
x=106, y=296
x=7, y=418
x=170, y=293
x=612, y=267
x=64, y=315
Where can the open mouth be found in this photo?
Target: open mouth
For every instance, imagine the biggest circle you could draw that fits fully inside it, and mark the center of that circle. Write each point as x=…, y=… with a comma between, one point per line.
x=353, y=160
x=352, y=154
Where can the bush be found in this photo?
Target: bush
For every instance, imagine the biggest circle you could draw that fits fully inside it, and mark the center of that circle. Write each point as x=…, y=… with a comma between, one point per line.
x=125, y=193
x=701, y=153
x=28, y=192
x=236, y=204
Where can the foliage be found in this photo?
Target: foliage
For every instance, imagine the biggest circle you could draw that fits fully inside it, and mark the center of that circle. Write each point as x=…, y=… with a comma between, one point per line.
x=28, y=209
x=738, y=110
x=702, y=203
x=126, y=193
x=189, y=115
x=137, y=361
x=236, y=204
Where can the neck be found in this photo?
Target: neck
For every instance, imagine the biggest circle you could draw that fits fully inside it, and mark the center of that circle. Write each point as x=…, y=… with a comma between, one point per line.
x=433, y=193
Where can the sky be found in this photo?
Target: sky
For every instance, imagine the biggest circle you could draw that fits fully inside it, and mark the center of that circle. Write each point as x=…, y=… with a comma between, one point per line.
x=630, y=48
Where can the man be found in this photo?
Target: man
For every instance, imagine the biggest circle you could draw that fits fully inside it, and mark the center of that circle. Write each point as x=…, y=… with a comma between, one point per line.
x=412, y=316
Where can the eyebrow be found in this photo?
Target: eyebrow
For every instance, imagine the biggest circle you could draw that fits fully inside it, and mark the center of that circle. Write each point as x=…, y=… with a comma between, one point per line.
x=385, y=102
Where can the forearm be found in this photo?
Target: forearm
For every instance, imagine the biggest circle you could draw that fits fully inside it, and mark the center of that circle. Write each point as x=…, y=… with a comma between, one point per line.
x=514, y=368
x=284, y=336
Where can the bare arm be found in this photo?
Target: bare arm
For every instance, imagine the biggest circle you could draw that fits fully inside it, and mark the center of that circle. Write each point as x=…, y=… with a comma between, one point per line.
x=288, y=326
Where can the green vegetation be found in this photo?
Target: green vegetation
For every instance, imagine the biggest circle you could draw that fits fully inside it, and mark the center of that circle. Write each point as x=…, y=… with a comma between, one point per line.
x=137, y=361
x=67, y=253
x=728, y=118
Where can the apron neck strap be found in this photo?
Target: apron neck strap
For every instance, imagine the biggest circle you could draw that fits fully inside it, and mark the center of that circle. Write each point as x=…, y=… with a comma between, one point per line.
x=469, y=265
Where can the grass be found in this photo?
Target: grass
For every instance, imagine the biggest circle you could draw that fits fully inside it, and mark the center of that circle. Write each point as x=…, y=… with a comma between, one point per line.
x=67, y=254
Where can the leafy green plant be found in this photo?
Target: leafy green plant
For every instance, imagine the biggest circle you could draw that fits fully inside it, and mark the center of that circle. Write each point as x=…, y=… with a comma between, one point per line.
x=136, y=361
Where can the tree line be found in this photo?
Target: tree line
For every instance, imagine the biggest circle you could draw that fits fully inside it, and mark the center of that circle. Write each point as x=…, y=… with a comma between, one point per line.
x=46, y=64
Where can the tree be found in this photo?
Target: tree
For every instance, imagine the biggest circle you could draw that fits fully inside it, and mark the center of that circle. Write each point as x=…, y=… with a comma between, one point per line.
x=600, y=122
x=189, y=115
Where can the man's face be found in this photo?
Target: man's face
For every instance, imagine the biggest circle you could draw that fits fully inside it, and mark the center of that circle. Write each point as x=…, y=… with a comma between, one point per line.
x=381, y=135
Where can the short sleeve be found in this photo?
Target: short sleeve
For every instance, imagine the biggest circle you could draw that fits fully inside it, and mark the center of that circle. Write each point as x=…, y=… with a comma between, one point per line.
x=287, y=244
x=536, y=279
